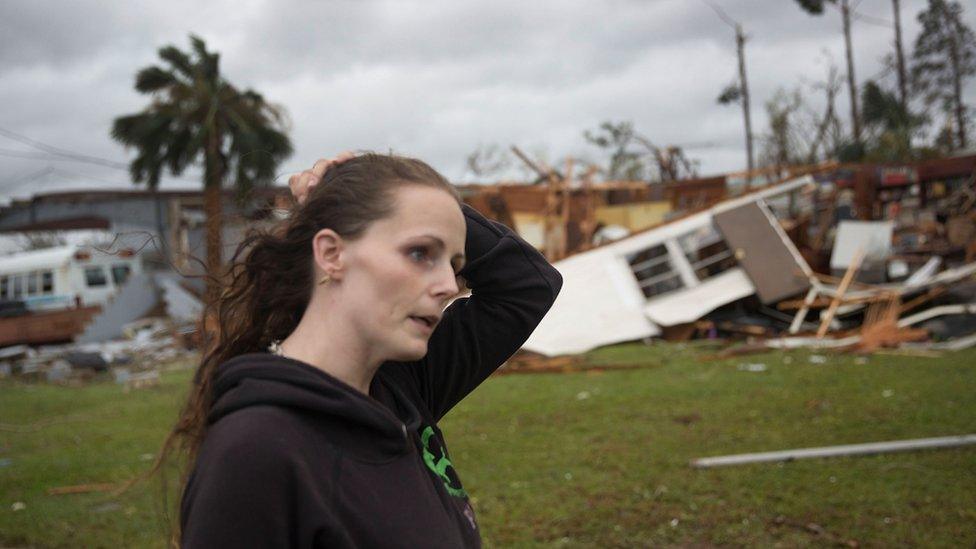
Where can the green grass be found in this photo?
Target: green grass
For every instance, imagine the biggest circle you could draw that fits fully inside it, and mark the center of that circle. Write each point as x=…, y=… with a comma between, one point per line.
x=596, y=459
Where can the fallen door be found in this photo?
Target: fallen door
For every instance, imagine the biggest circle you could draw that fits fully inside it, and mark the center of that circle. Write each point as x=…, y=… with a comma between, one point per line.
x=764, y=251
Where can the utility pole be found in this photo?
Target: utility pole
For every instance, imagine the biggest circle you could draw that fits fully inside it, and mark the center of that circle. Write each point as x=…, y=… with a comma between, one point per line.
x=900, y=58
x=740, y=43
x=845, y=10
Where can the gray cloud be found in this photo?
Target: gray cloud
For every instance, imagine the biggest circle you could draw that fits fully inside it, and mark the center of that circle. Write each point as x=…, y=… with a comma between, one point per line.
x=431, y=78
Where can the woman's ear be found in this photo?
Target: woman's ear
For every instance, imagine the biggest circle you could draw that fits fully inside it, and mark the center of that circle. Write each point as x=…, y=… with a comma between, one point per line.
x=327, y=248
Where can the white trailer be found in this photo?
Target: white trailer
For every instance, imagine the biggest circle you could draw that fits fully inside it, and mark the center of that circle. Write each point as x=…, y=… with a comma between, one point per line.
x=65, y=276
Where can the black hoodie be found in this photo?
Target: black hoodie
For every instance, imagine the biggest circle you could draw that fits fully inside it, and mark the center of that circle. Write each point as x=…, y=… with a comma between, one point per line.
x=293, y=457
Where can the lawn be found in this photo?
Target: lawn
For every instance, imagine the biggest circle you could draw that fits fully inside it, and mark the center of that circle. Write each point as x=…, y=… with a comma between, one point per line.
x=593, y=459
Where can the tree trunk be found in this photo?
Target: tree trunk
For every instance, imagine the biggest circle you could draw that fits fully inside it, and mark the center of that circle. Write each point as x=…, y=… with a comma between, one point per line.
x=900, y=58
x=214, y=174
x=954, y=33
x=851, y=80
x=163, y=248
x=740, y=41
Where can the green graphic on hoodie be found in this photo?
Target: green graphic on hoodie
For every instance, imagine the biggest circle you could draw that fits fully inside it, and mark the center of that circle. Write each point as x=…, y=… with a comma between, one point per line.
x=440, y=464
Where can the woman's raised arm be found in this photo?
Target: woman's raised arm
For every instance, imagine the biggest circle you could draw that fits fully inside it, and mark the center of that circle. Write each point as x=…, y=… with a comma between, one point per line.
x=512, y=287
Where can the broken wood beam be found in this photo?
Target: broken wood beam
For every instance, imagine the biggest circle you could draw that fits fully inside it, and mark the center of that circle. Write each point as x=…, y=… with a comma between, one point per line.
x=825, y=301
x=543, y=173
x=922, y=299
x=832, y=451
x=841, y=290
x=804, y=309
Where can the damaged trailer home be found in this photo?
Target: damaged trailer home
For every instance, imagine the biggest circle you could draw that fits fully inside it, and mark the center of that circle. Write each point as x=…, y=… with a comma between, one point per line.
x=54, y=294
x=674, y=274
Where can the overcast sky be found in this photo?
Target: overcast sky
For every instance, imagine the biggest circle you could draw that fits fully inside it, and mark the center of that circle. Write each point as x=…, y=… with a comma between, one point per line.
x=428, y=78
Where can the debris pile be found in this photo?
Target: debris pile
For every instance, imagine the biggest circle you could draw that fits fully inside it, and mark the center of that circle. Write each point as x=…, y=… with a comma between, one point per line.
x=856, y=259
x=134, y=362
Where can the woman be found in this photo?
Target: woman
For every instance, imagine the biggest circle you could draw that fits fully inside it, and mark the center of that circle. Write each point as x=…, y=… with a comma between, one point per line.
x=313, y=422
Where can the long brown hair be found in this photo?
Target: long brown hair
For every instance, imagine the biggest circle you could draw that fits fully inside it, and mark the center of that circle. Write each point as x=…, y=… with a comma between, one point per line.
x=254, y=307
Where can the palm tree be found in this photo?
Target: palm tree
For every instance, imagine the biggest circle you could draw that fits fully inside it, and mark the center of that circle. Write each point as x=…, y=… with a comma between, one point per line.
x=196, y=115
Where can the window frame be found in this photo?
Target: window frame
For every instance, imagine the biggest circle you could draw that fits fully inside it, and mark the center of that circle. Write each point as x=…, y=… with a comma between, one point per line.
x=100, y=269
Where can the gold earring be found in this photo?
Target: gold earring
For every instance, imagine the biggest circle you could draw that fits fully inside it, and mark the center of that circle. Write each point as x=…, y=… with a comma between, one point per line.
x=325, y=279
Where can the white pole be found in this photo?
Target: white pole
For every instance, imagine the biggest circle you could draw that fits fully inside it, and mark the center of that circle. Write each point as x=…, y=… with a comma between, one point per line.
x=828, y=451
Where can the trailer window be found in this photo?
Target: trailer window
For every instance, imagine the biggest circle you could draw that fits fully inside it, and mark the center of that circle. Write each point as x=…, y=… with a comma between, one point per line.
x=95, y=277
x=4, y=283
x=707, y=252
x=120, y=273
x=47, y=282
x=654, y=272
x=18, y=286
x=32, y=283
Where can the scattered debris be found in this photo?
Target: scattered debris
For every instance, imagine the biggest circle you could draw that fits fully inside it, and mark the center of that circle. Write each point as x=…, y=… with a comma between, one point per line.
x=843, y=254
x=754, y=367
x=82, y=489
x=688, y=419
x=817, y=530
x=133, y=362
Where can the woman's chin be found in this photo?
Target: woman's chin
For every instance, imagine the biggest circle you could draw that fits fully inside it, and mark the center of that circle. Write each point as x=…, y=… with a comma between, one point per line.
x=407, y=353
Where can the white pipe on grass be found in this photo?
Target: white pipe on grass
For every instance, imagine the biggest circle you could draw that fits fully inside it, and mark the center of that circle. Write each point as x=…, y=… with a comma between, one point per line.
x=829, y=451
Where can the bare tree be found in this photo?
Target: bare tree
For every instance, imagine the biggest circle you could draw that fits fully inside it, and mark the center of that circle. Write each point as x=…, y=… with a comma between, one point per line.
x=784, y=144
x=816, y=7
x=488, y=161
x=618, y=139
x=828, y=121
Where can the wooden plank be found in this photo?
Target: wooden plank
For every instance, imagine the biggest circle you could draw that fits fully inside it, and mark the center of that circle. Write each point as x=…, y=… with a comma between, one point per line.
x=841, y=290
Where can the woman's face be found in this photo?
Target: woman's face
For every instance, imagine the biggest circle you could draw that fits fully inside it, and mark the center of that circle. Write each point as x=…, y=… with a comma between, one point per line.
x=401, y=274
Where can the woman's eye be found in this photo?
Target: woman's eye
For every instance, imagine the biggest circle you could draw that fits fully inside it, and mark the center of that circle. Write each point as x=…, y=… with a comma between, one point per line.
x=418, y=254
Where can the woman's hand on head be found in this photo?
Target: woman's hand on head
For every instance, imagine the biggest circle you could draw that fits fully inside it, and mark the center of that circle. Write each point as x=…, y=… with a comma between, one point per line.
x=301, y=183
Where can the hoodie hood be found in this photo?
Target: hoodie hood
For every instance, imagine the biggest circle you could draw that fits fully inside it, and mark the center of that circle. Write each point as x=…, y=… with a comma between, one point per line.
x=355, y=422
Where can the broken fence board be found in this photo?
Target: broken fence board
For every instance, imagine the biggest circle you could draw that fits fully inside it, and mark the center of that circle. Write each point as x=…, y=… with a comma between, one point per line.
x=830, y=451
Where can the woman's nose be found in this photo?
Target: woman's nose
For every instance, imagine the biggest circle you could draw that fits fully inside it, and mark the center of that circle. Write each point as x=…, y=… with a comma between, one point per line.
x=446, y=284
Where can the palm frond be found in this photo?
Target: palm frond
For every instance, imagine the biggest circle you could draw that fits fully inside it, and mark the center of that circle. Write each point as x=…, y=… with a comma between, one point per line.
x=153, y=79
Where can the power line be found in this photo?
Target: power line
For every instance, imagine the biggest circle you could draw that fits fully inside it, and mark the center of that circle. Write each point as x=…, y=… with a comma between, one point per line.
x=58, y=153
x=33, y=176
x=31, y=155
x=872, y=20
x=721, y=13
x=863, y=17
x=62, y=152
